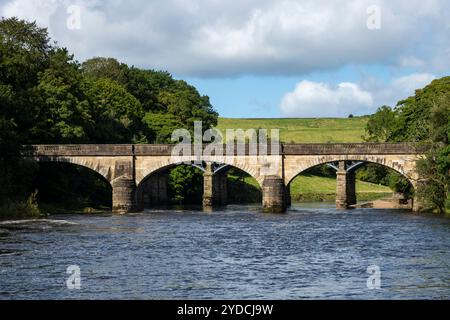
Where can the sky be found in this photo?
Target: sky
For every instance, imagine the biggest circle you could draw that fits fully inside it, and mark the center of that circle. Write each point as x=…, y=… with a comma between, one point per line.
x=261, y=58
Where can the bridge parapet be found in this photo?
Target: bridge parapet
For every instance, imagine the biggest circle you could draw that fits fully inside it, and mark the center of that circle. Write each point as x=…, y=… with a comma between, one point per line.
x=349, y=148
x=77, y=150
x=127, y=150
x=166, y=149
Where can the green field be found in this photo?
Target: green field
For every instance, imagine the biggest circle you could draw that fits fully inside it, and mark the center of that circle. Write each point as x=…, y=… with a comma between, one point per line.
x=320, y=130
x=309, y=187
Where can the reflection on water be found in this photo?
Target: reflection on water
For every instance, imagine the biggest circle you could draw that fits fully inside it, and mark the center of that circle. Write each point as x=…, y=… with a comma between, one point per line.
x=313, y=251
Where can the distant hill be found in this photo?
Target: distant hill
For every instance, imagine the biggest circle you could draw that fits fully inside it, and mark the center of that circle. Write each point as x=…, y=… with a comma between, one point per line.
x=304, y=130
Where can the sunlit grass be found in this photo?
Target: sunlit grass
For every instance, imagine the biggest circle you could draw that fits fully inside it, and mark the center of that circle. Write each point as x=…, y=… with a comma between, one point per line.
x=313, y=188
x=320, y=130
x=316, y=188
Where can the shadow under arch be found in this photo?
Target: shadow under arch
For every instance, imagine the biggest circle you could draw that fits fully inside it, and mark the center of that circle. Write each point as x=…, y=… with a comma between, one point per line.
x=153, y=190
x=242, y=187
x=72, y=183
x=163, y=165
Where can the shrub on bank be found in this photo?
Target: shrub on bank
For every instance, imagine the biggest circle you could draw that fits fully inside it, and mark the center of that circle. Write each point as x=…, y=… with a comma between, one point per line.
x=21, y=209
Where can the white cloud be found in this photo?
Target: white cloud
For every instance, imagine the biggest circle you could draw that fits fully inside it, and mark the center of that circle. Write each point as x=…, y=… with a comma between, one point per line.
x=223, y=38
x=411, y=62
x=316, y=99
x=403, y=87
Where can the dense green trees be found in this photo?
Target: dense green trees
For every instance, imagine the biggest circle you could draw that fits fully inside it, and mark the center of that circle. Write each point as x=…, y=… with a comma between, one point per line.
x=24, y=52
x=380, y=125
x=48, y=97
x=166, y=102
x=425, y=119
x=116, y=114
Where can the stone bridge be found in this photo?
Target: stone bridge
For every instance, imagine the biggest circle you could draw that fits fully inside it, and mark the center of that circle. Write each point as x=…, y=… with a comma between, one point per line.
x=138, y=172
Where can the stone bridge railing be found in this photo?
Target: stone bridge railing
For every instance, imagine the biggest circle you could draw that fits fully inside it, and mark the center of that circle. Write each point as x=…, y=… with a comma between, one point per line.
x=349, y=148
x=166, y=149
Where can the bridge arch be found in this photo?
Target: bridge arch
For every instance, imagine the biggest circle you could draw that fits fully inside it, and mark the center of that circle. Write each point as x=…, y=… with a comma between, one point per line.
x=147, y=170
x=402, y=166
x=86, y=162
x=153, y=189
x=81, y=183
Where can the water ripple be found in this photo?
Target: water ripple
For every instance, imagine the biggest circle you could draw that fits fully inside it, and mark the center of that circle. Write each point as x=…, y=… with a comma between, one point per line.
x=238, y=253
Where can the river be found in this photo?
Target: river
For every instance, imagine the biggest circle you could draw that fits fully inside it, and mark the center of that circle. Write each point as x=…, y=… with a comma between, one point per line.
x=312, y=252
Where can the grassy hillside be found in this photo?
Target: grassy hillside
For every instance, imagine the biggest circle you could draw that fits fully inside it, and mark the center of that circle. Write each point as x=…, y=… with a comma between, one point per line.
x=320, y=130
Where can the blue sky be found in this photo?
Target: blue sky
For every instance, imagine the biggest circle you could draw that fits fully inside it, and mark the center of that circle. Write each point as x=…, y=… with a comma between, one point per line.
x=260, y=96
x=263, y=58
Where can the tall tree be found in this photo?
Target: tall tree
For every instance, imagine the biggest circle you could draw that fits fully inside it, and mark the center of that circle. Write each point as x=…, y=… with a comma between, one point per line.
x=116, y=114
x=64, y=110
x=24, y=52
x=381, y=125
x=108, y=68
x=425, y=119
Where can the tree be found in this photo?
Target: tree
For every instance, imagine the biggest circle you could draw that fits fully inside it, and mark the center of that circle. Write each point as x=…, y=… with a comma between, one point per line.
x=146, y=85
x=413, y=121
x=162, y=124
x=185, y=103
x=380, y=126
x=373, y=173
x=186, y=185
x=169, y=104
x=435, y=166
x=116, y=114
x=64, y=112
x=24, y=52
x=109, y=68
x=425, y=119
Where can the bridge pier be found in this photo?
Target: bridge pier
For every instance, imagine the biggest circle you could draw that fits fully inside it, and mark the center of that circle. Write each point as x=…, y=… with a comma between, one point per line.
x=417, y=203
x=288, y=196
x=351, y=187
x=345, y=187
x=220, y=195
x=274, y=195
x=214, y=188
x=208, y=188
x=123, y=195
x=153, y=191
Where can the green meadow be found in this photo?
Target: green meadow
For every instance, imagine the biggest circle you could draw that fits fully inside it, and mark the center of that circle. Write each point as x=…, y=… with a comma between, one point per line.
x=316, y=188
x=318, y=130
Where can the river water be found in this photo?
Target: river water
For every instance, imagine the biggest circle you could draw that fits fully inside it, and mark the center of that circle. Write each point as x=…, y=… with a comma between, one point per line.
x=238, y=253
